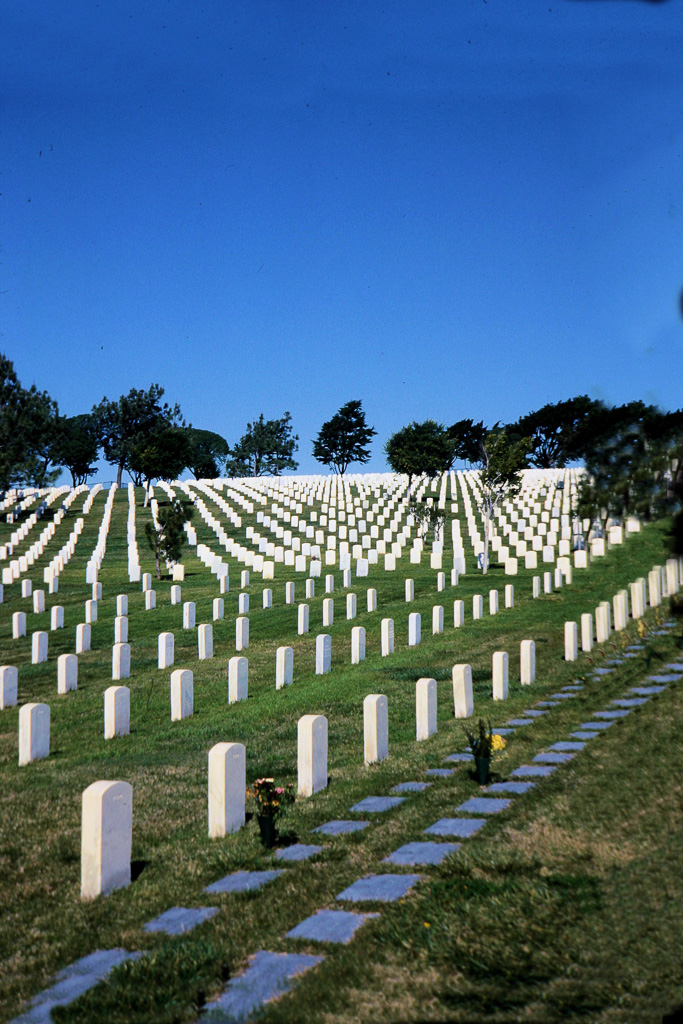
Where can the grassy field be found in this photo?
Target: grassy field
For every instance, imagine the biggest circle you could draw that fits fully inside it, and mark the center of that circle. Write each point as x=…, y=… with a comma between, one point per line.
x=565, y=908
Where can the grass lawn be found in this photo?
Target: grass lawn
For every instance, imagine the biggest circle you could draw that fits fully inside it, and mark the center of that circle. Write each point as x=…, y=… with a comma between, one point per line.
x=566, y=907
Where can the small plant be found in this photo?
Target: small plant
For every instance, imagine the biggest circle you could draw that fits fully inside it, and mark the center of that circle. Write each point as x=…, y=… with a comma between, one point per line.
x=485, y=742
x=271, y=800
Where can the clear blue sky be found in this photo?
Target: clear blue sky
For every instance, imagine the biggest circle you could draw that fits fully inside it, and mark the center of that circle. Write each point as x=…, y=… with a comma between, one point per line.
x=445, y=208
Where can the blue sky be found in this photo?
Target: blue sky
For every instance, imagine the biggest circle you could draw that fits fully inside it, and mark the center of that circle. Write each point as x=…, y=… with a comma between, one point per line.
x=444, y=209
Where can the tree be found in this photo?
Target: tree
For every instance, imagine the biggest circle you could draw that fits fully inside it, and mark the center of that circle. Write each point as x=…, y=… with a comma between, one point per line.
x=123, y=425
x=500, y=462
x=27, y=423
x=208, y=452
x=468, y=438
x=344, y=439
x=167, y=541
x=267, y=448
x=76, y=446
x=558, y=431
x=161, y=456
x=421, y=449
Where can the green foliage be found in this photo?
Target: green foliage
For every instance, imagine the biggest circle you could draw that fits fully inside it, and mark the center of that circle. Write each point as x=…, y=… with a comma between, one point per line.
x=485, y=741
x=267, y=448
x=468, y=439
x=421, y=449
x=27, y=423
x=207, y=453
x=126, y=424
x=344, y=439
x=161, y=456
x=167, y=541
x=558, y=431
x=75, y=445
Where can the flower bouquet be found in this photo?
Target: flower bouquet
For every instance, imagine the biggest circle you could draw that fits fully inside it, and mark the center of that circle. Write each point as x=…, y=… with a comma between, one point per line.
x=271, y=801
x=483, y=744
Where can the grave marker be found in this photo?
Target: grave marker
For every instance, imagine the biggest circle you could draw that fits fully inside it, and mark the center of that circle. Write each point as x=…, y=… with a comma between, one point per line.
x=182, y=694
x=106, y=838
x=205, y=642
x=463, y=701
x=83, y=631
x=238, y=679
x=425, y=708
x=357, y=645
x=414, y=629
x=38, y=647
x=323, y=654
x=284, y=665
x=116, y=712
x=312, y=754
x=387, y=637
x=34, y=733
x=500, y=675
x=227, y=789
x=375, y=728
x=67, y=673
x=9, y=678
x=166, y=650
x=120, y=661
x=527, y=662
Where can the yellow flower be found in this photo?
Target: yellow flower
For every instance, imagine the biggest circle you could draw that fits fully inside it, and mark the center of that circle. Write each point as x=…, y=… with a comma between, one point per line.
x=427, y=924
x=497, y=742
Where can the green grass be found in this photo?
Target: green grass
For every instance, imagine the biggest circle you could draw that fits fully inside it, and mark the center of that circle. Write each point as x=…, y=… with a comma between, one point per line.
x=542, y=917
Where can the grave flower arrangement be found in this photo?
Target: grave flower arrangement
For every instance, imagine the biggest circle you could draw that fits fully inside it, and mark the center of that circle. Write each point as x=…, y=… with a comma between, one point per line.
x=271, y=801
x=484, y=744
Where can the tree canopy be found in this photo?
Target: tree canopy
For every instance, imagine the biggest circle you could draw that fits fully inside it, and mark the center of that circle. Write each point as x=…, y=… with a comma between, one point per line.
x=421, y=449
x=207, y=453
x=124, y=425
x=267, y=447
x=167, y=541
x=75, y=445
x=28, y=418
x=344, y=439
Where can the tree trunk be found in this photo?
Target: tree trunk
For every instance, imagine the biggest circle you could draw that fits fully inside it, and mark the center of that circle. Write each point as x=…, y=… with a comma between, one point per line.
x=487, y=520
x=119, y=475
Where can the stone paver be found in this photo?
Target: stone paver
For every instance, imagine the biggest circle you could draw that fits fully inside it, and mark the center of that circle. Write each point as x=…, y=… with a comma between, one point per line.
x=567, y=745
x=377, y=804
x=519, y=721
x=532, y=713
x=602, y=671
x=243, y=881
x=440, y=772
x=484, y=805
x=72, y=982
x=629, y=702
x=410, y=787
x=299, y=851
x=664, y=678
x=612, y=714
x=340, y=828
x=552, y=757
x=383, y=888
x=510, y=787
x=598, y=726
x=584, y=735
x=464, y=756
x=179, y=920
x=646, y=691
x=562, y=696
x=421, y=853
x=330, y=926
x=460, y=828
x=532, y=771
x=502, y=731
x=267, y=976
x=548, y=704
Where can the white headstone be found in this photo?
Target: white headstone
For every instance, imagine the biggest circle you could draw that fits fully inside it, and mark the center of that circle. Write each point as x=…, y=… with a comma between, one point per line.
x=302, y=619
x=57, y=617
x=375, y=728
x=410, y=590
x=284, y=665
x=218, y=609
x=38, y=647
x=182, y=694
x=570, y=641
x=122, y=604
x=120, y=661
x=527, y=662
x=146, y=581
x=9, y=678
x=91, y=611
x=205, y=641
x=188, y=615
x=458, y=613
x=310, y=589
x=267, y=598
x=351, y=606
x=477, y=606
x=372, y=599
x=328, y=611
x=463, y=701
x=323, y=654
x=437, y=619
x=166, y=650
x=244, y=579
x=116, y=712
x=536, y=586
x=387, y=637
x=586, y=632
x=176, y=594
x=509, y=595
x=106, y=838
x=121, y=629
x=602, y=624
x=34, y=733
x=241, y=633
x=96, y=591
x=67, y=673
x=329, y=583
x=227, y=788
x=26, y=588
x=238, y=679
x=357, y=645
x=500, y=675
x=312, y=754
x=414, y=629
x=38, y=601
x=425, y=708
x=83, y=631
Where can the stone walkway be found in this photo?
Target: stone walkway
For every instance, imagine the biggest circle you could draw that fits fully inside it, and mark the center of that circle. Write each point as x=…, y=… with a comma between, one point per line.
x=269, y=975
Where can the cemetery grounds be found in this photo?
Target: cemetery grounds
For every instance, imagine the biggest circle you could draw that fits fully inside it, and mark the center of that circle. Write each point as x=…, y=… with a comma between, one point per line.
x=567, y=905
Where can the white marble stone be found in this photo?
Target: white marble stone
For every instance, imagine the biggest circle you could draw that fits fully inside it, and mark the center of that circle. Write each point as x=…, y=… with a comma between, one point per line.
x=284, y=665
x=34, y=733
x=328, y=611
x=150, y=600
x=571, y=636
x=189, y=612
x=121, y=629
x=116, y=712
x=38, y=601
x=387, y=630
x=83, y=635
x=458, y=614
x=67, y=673
x=323, y=654
x=500, y=675
x=267, y=598
x=414, y=629
x=302, y=619
x=9, y=679
x=182, y=694
x=238, y=679
x=527, y=662
x=120, y=661
x=425, y=708
x=493, y=602
x=312, y=754
x=205, y=642
x=106, y=838
x=241, y=633
x=122, y=604
x=357, y=645
x=351, y=606
x=410, y=590
x=38, y=647
x=437, y=619
x=227, y=788
x=463, y=702
x=91, y=611
x=477, y=606
x=372, y=600
x=57, y=617
x=375, y=728
x=509, y=595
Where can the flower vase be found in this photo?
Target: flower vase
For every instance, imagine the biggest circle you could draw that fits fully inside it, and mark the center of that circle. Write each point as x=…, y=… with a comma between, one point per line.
x=266, y=824
x=482, y=765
